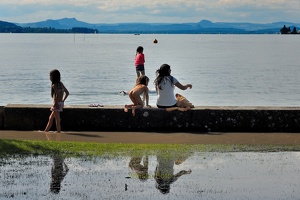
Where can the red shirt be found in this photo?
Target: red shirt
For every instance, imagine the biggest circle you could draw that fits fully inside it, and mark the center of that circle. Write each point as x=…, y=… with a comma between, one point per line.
x=139, y=59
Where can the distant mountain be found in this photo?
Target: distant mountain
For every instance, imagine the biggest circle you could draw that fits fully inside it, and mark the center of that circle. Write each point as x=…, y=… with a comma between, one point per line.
x=65, y=23
x=7, y=27
x=204, y=26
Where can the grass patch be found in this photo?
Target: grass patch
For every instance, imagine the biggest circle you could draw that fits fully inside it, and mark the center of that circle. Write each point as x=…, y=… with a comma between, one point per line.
x=21, y=147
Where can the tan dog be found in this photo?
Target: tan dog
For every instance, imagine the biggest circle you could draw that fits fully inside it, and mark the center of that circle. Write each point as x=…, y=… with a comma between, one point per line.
x=182, y=103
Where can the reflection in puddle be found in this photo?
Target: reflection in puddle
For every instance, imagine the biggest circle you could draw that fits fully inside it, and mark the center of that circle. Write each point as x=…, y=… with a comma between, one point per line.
x=58, y=172
x=164, y=172
x=206, y=175
x=140, y=167
x=53, y=136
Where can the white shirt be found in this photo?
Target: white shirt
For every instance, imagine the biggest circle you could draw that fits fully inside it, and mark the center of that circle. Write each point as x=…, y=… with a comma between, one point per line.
x=166, y=95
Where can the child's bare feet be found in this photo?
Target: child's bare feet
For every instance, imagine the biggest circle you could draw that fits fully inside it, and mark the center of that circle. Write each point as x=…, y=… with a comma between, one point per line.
x=133, y=111
x=125, y=108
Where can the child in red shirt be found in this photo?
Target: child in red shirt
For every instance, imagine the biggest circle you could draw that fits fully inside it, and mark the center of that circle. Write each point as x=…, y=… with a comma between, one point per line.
x=139, y=61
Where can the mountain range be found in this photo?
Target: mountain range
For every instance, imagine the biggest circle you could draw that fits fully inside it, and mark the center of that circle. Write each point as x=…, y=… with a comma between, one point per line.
x=204, y=26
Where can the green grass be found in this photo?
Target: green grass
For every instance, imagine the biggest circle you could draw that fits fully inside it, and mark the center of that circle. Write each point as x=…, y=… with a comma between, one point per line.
x=21, y=147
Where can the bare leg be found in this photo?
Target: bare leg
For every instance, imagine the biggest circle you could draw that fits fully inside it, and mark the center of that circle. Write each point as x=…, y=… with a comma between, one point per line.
x=138, y=73
x=133, y=110
x=135, y=107
x=143, y=72
x=57, y=118
x=50, y=122
x=126, y=108
x=172, y=109
x=184, y=109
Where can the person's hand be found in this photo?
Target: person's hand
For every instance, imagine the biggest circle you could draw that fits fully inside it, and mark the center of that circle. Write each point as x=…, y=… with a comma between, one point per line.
x=189, y=85
x=56, y=106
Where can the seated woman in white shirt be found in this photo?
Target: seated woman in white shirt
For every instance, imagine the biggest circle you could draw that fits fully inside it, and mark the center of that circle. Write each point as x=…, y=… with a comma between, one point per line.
x=165, y=85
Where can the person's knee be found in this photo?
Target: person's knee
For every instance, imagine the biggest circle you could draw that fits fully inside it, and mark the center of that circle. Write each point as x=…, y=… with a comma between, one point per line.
x=51, y=117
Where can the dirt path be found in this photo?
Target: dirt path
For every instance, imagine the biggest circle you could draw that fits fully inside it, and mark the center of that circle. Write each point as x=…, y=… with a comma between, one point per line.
x=157, y=138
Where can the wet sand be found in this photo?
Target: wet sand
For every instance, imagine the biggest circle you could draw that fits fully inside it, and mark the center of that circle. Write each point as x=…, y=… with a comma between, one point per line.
x=156, y=138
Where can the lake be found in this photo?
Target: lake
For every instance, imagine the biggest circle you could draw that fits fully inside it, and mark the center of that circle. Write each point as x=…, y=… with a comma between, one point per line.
x=225, y=69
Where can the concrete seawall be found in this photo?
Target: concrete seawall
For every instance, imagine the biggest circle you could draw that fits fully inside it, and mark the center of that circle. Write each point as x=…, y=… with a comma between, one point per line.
x=1, y=118
x=113, y=118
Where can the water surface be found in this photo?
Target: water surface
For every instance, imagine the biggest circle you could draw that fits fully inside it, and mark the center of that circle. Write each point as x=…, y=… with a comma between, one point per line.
x=225, y=70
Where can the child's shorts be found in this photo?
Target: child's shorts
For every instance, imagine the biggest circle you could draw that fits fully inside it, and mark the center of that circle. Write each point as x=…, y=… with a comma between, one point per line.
x=60, y=107
x=140, y=68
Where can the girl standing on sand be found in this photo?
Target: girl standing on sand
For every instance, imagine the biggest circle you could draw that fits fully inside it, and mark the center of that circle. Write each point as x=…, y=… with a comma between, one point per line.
x=139, y=61
x=59, y=93
x=135, y=94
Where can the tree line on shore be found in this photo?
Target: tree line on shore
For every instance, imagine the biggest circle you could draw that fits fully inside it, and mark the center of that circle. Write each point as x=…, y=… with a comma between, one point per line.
x=7, y=27
x=287, y=30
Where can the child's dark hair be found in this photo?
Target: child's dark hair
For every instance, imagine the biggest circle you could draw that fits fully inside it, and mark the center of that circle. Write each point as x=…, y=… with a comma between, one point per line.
x=55, y=76
x=162, y=72
x=140, y=49
x=55, y=79
x=142, y=80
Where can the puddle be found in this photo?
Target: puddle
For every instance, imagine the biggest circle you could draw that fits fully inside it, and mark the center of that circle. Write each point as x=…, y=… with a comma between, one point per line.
x=243, y=175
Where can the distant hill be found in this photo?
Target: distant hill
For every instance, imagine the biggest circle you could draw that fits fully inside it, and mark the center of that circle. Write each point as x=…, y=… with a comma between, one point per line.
x=204, y=26
x=7, y=27
x=65, y=23
x=43, y=27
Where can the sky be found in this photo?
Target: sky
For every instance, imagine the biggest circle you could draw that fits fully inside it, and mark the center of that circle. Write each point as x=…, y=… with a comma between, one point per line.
x=151, y=11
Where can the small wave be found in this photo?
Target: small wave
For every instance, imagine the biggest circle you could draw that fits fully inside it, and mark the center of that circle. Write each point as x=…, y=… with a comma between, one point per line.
x=123, y=92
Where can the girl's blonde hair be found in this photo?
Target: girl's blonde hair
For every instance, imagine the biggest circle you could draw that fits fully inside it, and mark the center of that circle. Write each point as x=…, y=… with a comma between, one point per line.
x=142, y=80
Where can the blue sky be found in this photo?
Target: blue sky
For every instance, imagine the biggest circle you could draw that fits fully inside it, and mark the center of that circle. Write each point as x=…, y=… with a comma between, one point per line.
x=154, y=11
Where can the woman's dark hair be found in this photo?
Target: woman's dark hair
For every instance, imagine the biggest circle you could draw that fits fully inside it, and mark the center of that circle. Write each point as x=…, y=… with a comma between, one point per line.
x=55, y=79
x=142, y=80
x=140, y=49
x=161, y=73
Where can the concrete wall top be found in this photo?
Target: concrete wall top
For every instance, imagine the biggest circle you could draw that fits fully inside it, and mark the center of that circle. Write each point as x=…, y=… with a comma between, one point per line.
x=153, y=107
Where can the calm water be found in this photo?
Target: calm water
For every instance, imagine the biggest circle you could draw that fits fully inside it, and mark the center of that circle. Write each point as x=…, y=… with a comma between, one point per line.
x=224, y=176
x=225, y=70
